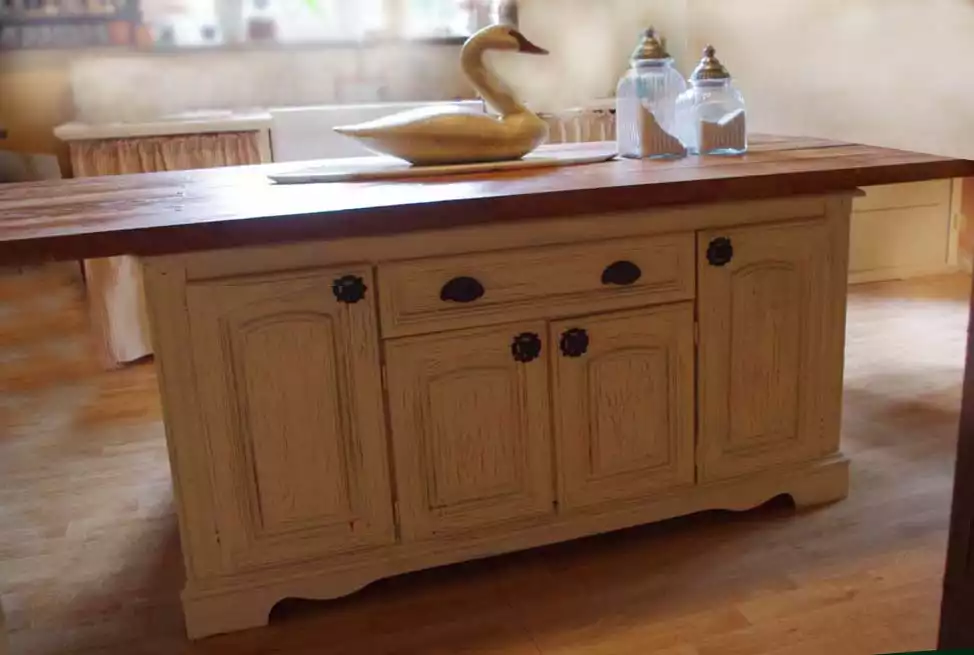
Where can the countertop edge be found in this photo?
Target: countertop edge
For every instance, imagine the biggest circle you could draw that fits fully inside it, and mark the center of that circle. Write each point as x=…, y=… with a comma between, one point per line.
x=505, y=209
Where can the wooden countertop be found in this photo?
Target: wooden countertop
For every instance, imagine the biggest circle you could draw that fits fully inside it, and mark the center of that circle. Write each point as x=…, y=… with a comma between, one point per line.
x=160, y=213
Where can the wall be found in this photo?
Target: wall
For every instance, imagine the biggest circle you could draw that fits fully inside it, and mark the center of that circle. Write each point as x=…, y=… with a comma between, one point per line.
x=35, y=95
x=590, y=43
x=887, y=72
x=890, y=72
x=241, y=79
x=36, y=87
x=884, y=72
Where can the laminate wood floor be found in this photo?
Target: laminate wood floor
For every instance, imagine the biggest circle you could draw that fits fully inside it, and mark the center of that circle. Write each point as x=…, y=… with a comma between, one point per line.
x=90, y=561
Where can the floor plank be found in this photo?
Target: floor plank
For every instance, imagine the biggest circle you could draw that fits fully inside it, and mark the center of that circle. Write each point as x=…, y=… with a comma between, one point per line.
x=90, y=560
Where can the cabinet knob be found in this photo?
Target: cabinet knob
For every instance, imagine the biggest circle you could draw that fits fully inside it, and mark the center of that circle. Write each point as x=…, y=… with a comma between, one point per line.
x=349, y=289
x=621, y=273
x=574, y=342
x=720, y=251
x=526, y=347
x=462, y=289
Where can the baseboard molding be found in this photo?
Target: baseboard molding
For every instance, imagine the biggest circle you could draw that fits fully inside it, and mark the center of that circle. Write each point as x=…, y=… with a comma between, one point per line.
x=905, y=273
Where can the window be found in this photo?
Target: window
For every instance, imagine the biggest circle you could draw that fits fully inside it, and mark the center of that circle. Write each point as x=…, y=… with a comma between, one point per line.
x=215, y=22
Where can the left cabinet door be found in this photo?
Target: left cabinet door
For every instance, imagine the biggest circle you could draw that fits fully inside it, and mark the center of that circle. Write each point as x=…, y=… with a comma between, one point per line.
x=470, y=429
x=290, y=393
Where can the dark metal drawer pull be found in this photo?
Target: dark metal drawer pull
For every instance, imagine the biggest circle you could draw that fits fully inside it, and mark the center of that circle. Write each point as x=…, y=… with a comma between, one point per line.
x=462, y=289
x=526, y=347
x=574, y=342
x=720, y=251
x=621, y=273
x=349, y=289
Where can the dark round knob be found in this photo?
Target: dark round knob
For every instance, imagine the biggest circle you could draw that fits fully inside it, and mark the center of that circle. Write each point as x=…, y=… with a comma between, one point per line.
x=574, y=342
x=621, y=273
x=720, y=251
x=526, y=347
x=349, y=289
x=461, y=289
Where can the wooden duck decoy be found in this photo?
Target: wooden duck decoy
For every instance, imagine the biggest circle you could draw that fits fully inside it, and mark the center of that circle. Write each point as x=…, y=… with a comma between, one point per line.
x=431, y=136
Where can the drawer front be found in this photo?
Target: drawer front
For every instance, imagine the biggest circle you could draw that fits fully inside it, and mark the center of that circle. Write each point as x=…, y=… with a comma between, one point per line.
x=431, y=295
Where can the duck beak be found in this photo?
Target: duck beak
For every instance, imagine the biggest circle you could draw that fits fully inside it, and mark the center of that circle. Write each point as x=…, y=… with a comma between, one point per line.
x=526, y=46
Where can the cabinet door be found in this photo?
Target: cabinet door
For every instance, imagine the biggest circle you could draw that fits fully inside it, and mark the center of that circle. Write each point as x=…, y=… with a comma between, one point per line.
x=291, y=398
x=470, y=428
x=623, y=399
x=771, y=315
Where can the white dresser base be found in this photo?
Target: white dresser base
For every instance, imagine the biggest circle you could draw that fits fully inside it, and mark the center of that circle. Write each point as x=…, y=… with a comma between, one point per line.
x=712, y=380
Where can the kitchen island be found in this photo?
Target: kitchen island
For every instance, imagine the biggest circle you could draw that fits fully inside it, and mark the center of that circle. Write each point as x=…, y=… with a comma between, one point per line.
x=365, y=379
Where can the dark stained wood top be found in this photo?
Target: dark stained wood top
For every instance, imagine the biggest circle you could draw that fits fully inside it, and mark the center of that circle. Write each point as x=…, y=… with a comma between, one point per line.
x=160, y=213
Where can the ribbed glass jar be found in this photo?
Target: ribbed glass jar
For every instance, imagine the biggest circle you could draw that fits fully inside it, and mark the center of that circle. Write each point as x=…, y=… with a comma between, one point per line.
x=646, y=119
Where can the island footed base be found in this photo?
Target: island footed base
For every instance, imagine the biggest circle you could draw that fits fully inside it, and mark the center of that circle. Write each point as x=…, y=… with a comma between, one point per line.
x=246, y=603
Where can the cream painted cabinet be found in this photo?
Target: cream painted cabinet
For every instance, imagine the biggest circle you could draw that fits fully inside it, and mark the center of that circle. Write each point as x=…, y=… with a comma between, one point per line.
x=526, y=384
x=768, y=377
x=470, y=428
x=290, y=395
x=623, y=404
x=904, y=230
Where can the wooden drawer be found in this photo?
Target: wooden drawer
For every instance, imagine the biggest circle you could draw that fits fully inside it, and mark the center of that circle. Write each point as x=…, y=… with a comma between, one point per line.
x=546, y=282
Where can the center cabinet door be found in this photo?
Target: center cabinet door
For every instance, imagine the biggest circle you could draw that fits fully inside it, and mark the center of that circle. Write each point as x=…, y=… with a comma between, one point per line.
x=624, y=404
x=470, y=428
x=290, y=394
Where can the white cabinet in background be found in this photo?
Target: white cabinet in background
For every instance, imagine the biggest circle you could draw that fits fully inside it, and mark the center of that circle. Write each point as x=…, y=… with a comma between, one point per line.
x=904, y=230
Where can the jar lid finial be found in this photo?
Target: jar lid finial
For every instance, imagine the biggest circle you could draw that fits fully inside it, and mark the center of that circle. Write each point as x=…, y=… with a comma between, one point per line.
x=651, y=46
x=709, y=67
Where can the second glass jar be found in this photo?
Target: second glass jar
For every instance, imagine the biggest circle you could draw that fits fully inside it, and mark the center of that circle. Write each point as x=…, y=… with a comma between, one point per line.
x=711, y=113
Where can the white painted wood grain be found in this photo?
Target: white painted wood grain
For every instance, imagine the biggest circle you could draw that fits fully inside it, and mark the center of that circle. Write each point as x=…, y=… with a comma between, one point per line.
x=291, y=403
x=624, y=424
x=470, y=430
x=767, y=340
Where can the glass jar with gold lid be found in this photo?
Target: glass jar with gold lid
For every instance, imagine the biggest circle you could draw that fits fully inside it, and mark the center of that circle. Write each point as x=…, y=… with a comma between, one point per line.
x=711, y=113
x=646, y=120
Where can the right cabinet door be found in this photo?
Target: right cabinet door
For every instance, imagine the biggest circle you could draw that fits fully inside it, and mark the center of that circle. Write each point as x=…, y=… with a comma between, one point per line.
x=769, y=374
x=623, y=397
